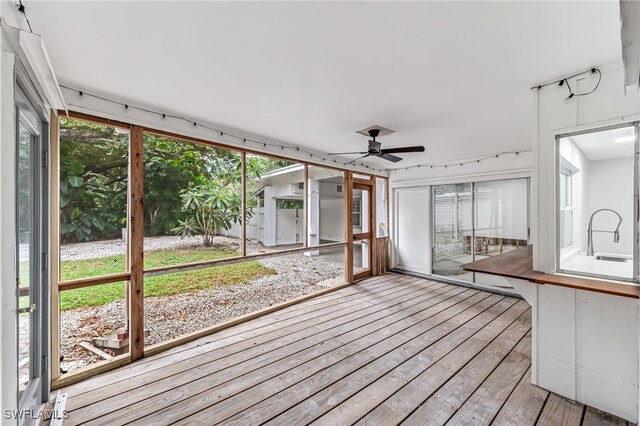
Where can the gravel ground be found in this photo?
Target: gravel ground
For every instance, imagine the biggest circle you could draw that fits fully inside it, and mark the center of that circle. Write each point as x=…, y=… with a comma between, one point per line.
x=172, y=316
x=108, y=248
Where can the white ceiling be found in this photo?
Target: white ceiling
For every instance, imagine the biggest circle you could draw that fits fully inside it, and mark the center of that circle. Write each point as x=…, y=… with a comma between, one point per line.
x=606, y=145
x=453, y=76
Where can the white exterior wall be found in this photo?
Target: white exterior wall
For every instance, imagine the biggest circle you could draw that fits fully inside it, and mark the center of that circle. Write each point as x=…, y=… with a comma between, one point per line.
x=587, y=345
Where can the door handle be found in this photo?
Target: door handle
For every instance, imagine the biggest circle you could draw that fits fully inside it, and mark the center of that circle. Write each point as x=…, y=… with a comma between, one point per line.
x=26, y=310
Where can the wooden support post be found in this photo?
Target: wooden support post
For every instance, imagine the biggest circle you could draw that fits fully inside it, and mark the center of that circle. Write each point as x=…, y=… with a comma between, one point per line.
x=136, y=243
x=307, y=207
x=54, y=227
x=348, y=226
x=243, y=231
x=387, y=229
x=373, y=252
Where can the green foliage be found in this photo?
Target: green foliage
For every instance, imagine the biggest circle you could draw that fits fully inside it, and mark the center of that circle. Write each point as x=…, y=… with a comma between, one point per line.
x=93, y=181
x=189, y=189
x=210, y=207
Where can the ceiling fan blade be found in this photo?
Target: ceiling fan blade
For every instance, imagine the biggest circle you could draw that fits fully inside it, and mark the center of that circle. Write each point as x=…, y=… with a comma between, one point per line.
x=390, y=157
x=359, y=158
x=346, y=153
x=418, y=148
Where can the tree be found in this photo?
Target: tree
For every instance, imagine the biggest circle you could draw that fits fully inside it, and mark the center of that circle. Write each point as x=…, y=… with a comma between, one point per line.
x=192, y=187
x=93, y=180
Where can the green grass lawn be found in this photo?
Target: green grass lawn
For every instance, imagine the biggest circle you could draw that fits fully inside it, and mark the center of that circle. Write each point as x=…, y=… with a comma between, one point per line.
x=165, y=285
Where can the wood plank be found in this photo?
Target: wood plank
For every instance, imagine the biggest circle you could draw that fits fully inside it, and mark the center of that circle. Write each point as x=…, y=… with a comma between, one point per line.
x=348, y=226
x=92, y=281
x=242, y=346
x=595, y=417
x=243, y=230
x=306, y=207
x=598, y=286
x=524, y=404
x=199, y=394
x=247, y=360
x=204, y=264
x=320, y=305
x=102, y=354
x=441, y=405
x=514, y=264
x=294, y=310
x=561, y=411
x=362, y=183
x=402, y=403
x=350, y=356
x=331, y=385
x=136, y=243
x=246, y=351
x=373, y=246
x=484, y=404
x=95, y=119
x=368, y=398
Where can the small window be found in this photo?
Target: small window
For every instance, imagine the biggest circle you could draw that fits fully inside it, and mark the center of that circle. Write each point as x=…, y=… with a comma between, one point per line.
x=356, y=210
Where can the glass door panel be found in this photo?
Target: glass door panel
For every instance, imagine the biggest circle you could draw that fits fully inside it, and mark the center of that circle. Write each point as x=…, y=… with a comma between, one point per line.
x=361, y=230
x=452, y=230
x=360, y=210
x=25, y=249
x=28, y=264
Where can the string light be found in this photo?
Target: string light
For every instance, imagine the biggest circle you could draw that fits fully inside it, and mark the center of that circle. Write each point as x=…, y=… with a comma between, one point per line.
x=462, y=162
x=565, y=81
x=243, y=139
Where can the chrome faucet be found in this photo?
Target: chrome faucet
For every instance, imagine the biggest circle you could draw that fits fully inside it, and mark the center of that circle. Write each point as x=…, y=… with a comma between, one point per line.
x=590, y=231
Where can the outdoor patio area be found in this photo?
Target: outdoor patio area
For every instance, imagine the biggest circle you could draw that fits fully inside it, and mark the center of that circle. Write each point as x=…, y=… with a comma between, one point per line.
x=388, y=350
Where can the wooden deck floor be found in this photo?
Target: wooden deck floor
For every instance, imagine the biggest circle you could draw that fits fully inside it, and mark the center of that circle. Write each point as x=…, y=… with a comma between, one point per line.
x=389, y=350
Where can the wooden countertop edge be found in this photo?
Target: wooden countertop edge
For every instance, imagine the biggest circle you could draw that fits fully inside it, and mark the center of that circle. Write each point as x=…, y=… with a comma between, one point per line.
x=518, y=268
x=579, y=283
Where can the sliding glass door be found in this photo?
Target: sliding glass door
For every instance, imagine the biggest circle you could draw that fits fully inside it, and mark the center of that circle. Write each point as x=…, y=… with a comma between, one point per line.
x=452, y=230
x=473, y=221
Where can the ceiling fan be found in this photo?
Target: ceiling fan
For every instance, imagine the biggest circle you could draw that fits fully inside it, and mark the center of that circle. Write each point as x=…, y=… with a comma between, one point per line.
x=374, y=149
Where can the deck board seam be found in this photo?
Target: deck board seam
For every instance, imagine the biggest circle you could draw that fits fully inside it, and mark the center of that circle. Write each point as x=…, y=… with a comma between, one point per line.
x=461, y=291
x=386, y=338
x=461, y=367
x=524, y=337
x=132, y=367
x=445, y=290
x=383, y=303
x=384, y=354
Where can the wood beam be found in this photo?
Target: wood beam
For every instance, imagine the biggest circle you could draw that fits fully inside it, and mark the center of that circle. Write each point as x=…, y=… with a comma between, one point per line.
x=348, y=227
x=136, y=243
x=243, y=231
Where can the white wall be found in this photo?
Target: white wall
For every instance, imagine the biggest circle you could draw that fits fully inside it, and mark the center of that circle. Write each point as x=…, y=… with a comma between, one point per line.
x=609, y=104
x=611, y=187
x=331, y=219
x=601, y=350
x=412, y=242
x=580, y=197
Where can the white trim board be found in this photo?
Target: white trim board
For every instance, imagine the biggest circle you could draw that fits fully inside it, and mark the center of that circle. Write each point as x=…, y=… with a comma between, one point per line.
x=479, y=177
